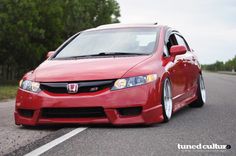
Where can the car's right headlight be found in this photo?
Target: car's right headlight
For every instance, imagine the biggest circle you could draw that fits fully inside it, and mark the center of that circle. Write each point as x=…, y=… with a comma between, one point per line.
x=30, y=86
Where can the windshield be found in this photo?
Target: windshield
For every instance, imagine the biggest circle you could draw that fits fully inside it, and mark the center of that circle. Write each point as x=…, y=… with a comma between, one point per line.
x=131, y=41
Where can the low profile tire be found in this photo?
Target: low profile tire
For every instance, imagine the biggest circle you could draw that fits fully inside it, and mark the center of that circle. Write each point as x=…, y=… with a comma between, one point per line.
x=201, y=94
x=167, y=103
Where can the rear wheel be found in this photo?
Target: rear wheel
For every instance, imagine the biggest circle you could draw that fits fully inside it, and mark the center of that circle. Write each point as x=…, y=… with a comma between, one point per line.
x=201, y=94
x=167, y=100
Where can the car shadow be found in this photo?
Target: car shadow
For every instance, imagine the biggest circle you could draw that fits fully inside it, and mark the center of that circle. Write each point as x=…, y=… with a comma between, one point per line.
x=180, y=112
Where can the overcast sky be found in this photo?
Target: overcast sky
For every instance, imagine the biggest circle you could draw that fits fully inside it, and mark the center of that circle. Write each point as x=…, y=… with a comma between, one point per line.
x=208, y=25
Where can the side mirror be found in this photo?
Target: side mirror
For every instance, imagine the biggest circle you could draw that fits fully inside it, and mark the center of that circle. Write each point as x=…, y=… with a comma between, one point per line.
x=177, y=50
x=49, y=54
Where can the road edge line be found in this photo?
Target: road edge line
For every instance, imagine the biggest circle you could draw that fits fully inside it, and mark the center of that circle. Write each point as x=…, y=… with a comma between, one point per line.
x=55, y=142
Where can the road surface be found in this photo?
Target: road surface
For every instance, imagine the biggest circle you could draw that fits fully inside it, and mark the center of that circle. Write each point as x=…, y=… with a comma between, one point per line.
x=215, y=123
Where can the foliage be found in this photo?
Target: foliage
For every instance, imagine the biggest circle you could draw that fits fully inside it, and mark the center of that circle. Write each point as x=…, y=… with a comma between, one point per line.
x=8, y=92
x=28, y=29
x=221, y=66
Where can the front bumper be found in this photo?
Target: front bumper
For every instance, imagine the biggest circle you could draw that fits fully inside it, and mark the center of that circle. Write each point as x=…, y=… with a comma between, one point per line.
x=146, y=97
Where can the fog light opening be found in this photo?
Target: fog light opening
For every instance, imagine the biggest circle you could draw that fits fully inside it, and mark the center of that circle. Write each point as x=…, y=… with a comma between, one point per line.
x=131, y=111
x=28, y=113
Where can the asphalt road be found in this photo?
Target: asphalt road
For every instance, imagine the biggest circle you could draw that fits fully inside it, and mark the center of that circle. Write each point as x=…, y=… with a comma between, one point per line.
x=215, y=123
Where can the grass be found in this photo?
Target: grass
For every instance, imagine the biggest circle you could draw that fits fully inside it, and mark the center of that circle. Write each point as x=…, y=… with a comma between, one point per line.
x=8, y=92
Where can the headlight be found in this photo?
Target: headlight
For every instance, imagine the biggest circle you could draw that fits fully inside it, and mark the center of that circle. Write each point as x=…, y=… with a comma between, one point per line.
x=29, y=86
x=133, y=81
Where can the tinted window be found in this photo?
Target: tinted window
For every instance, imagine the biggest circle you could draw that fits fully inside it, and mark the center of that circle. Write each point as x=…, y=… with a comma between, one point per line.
x=165, y=51
x=171, y=41
x=181, y=41
x=128, y=40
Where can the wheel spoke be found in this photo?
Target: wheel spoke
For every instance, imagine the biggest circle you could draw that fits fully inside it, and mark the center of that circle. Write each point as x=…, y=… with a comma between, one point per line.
x=167, y=99
x=202, y=89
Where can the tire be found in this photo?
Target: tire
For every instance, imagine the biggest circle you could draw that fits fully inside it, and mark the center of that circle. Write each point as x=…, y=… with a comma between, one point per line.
x=167, y=103
x=201, y=94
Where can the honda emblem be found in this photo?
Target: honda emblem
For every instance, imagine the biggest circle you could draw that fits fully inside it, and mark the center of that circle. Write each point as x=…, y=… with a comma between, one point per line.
x=72, y=88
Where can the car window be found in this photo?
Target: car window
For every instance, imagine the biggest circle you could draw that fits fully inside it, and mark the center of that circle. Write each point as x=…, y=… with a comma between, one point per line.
x=188, y=48
x=126, y=40
x=170, y=42
x=181, y=41
x=165, y=51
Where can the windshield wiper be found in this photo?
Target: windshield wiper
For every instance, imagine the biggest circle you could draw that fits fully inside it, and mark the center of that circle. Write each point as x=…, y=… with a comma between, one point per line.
x=113, y=53
x=117, y=53
x=103, y=54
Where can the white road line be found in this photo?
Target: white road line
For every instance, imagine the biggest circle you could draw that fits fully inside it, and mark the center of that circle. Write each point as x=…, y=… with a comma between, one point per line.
x=55, y=142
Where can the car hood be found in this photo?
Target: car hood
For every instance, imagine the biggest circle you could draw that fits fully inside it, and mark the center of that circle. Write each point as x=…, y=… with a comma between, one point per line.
x=86, y=69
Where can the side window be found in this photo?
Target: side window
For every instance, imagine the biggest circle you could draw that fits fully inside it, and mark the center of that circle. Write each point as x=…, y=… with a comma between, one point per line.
x=188, y=48
x=171, y=41
x=181, y=41
x=165, y=51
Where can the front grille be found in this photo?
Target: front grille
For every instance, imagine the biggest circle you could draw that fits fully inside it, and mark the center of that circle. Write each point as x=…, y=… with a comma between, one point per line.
x=73, y=112
x=83, y=87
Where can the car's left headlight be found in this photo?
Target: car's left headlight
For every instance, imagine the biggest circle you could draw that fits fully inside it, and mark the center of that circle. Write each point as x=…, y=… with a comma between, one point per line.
x=29, y=86
x=133, y=81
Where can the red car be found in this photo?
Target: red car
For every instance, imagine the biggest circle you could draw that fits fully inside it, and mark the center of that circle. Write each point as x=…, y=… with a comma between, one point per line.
x=118, y=74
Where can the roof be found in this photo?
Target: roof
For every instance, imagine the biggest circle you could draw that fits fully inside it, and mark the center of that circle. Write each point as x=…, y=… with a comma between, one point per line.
x=119, y=25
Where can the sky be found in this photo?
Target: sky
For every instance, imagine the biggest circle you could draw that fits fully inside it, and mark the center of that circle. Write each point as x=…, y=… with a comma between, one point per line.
x=209, y=26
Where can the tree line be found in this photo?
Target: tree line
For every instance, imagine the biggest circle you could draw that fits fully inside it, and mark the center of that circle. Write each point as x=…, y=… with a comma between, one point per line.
x=31, y=28
x=229, y=65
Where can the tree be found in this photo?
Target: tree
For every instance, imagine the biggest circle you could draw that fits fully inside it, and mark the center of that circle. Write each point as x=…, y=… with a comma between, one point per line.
x=28, y=29
x=82, y=14
x=229, y=65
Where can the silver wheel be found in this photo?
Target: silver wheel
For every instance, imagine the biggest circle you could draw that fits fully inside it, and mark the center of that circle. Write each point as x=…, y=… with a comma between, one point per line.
x=200, y=93
x=167, y=99
x=202, y=89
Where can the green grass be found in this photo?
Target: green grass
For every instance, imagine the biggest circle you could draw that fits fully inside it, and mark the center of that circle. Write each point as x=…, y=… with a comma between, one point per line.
x=8, y=92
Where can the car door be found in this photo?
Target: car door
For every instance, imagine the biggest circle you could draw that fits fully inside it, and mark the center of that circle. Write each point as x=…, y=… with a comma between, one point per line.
x=188, y=67
x=176, y=73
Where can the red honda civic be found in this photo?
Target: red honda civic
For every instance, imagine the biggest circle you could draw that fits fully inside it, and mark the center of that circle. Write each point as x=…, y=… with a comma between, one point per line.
x=118, y=74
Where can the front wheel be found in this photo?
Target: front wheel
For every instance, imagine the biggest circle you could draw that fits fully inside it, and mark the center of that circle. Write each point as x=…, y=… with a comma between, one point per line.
x=167, y=100
x=201, y=94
